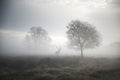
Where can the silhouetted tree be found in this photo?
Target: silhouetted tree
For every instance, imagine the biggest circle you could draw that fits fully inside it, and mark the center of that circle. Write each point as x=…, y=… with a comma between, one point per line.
x=82, y=35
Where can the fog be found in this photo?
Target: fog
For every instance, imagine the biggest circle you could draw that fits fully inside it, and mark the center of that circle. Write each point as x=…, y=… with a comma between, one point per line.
x=14, y=44
x=59, y=39
x=53, y=16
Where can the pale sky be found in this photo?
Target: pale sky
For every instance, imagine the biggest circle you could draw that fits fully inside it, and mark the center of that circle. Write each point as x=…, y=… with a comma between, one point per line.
x=54, y=15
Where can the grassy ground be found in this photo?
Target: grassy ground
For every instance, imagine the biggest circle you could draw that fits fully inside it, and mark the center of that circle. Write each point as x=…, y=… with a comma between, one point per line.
x=58, y=68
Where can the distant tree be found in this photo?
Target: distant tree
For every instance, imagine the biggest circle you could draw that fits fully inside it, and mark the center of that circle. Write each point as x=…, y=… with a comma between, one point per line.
x=38, y=35
x=82, y=35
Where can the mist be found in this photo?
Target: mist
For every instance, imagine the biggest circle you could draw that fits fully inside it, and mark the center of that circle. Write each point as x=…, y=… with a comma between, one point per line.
x=59, y=39
x=14, y=44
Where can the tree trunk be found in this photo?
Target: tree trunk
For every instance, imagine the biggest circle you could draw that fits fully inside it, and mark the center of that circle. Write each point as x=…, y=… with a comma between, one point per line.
x=82, y=52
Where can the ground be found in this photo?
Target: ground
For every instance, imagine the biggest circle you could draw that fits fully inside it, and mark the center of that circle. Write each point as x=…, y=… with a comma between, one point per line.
x=58, y=68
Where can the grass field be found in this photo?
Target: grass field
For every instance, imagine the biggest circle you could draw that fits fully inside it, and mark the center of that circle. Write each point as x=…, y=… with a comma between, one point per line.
x=58, y=68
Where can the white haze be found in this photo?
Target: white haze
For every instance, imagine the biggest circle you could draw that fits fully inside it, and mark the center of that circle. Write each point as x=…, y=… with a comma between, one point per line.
x=53, y=16
x=14, y=44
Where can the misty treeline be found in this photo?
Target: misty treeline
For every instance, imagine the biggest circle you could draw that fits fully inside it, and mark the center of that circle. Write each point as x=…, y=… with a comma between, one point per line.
x=81, y=35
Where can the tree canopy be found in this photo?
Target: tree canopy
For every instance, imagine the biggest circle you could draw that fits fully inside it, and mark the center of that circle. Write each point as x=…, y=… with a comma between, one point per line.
x=38, y=35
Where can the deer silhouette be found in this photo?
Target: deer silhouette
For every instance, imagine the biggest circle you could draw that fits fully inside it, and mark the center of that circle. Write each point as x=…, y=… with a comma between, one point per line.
x=58, y=50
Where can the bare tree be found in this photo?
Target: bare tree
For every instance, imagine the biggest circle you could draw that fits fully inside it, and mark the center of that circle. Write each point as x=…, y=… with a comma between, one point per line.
x=82, y=35
x=37, y=35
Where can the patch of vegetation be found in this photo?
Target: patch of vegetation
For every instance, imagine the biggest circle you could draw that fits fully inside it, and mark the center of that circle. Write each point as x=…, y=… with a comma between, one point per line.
x=62, y=68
